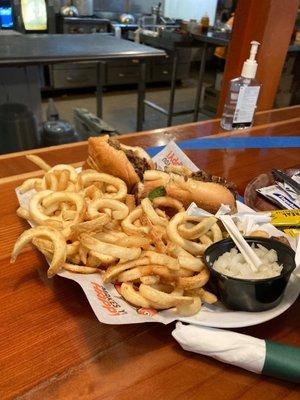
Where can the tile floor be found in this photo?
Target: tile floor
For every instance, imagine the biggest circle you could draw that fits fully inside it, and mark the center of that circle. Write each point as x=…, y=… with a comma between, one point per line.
x=119, y=105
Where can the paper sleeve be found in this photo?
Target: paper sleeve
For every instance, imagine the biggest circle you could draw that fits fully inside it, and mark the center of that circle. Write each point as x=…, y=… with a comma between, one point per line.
x=282, y=361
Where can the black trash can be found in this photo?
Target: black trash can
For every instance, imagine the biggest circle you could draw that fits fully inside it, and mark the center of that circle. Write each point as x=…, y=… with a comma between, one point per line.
x=18, y=128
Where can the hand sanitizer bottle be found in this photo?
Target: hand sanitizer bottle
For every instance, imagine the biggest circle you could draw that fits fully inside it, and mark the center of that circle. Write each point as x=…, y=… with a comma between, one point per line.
x=242, y=96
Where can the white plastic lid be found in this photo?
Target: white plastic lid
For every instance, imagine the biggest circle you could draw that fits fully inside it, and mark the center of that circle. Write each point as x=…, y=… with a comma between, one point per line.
x=250, y=65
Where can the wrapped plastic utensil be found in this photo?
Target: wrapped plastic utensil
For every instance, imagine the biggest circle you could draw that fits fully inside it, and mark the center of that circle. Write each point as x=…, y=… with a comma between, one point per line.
x=256, y=355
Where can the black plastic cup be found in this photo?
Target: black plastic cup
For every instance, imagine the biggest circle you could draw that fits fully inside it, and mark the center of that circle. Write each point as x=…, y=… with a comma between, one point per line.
x=250, y=294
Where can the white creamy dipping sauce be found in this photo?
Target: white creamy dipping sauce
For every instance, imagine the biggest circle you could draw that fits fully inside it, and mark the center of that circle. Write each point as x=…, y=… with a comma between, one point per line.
x=233, y=263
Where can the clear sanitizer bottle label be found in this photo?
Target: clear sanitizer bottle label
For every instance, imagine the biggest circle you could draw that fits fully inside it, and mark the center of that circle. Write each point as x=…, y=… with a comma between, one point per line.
x=246, y=104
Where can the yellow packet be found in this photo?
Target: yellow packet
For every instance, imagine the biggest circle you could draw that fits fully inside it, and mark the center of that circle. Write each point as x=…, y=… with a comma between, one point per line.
x=286, y=217
x=292, y=232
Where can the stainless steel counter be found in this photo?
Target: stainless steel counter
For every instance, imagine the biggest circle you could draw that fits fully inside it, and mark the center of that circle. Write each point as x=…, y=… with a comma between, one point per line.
x=48, y=49
x=38, y=49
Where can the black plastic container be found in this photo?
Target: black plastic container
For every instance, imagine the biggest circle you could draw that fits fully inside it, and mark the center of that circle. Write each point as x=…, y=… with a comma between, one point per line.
x=250, y=294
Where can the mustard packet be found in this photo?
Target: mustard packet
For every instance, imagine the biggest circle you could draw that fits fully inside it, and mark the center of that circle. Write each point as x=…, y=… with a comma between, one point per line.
x=289, y=218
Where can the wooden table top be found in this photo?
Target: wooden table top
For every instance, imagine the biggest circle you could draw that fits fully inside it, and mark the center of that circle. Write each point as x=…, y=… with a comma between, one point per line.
x=52, y=345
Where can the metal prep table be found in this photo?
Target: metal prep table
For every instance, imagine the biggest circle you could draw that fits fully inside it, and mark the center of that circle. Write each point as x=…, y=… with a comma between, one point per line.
x=210, y=39
x=39, y=49
x=174, y=46
x=173, y=43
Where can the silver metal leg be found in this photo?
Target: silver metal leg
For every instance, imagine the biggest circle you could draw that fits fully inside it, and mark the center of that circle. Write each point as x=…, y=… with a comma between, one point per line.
x=141, y=96
x=99, y=90
x=172, y=90
x=200, y=83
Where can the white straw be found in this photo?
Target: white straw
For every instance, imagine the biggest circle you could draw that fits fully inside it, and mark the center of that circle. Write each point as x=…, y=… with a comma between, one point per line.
x=297, y=258
x=246, y=250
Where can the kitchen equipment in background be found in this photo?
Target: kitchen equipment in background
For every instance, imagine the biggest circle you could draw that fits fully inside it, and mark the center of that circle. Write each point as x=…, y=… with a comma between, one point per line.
x=58, y=132
x=69, y=11
x=118, y=32
x=147, y=22
x=88, y=124
x=83, y=25
x=76, y=75
x=160, y=19
x=127, y=19
x=85, y=7
x=52, y=112
x=204, y=23
x=34, y=15
x=18, y=128
x=6, y=15
x=156, y=12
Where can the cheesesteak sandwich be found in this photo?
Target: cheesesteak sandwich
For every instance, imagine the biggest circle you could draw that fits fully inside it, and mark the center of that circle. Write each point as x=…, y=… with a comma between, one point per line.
x=207, y=191
x=135, y=167
x=108, y=155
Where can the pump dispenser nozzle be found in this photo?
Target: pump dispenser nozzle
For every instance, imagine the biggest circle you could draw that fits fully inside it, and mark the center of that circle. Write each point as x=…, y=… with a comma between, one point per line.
x=253, y=50
x=250, y=65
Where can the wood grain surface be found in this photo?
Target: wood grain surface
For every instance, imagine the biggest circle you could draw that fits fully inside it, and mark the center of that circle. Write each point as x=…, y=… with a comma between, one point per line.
x=53, y=347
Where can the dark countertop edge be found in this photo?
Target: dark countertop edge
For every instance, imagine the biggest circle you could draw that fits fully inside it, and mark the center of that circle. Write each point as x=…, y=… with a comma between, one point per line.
x=166, y=44
x=124, y=25
x=53, y=60
x=225, y=42
x=192, y=41
x=57, y=36
x=220, y=41
x=86, y=18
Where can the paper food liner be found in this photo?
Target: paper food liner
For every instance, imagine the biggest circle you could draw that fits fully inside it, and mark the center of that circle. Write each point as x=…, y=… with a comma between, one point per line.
x=105, y=300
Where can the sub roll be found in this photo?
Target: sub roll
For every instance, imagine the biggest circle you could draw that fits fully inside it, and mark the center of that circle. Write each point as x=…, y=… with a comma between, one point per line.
x=108, y=155
x=207, y=191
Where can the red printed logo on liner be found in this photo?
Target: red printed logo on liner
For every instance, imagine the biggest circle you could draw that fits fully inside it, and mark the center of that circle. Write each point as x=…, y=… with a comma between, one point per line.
x=147, y=311
x=107, y=302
